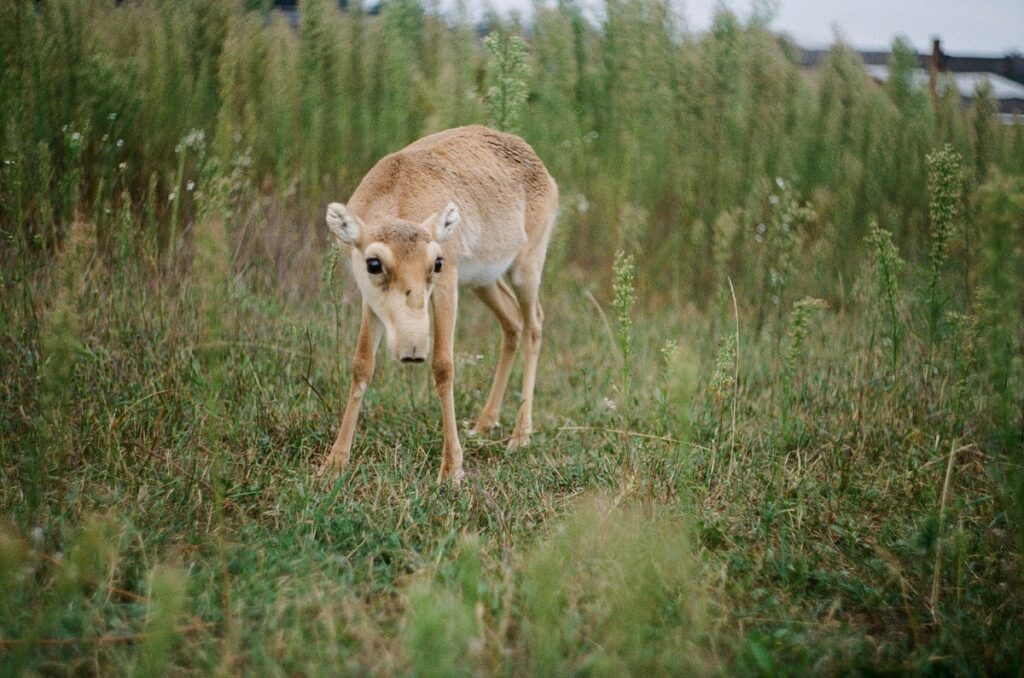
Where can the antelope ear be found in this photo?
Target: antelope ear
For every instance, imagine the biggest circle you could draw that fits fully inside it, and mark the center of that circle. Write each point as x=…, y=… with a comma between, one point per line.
x=445, y=222
x=343, y=224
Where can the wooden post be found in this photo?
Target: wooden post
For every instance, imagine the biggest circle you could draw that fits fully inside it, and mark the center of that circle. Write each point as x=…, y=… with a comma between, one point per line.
x=934, y=67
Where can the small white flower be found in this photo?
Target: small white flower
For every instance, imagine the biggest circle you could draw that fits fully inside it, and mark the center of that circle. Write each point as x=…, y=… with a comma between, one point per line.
x=780, y=182
x=608, y=404
x=172, y=196
x=76, y=137
x=582, y=205
x=773, y=199
x=112, y=116
x=195, y=138
x=122, y=166
x=120, y=143
x=761, y=228
x=190, y=185
x=37, y=534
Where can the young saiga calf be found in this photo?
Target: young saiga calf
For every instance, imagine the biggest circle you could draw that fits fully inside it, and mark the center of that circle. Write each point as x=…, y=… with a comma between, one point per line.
x=460, y=207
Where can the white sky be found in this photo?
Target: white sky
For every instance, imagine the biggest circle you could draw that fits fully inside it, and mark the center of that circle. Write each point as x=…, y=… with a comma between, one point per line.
x=965, y=26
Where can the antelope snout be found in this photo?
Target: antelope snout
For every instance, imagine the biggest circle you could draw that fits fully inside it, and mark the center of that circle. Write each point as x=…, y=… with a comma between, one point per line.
x=408, y=333
x=411, y=347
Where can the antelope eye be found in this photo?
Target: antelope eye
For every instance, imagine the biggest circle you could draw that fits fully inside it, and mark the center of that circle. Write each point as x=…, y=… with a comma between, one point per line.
x=373, y=266
x=438, y=263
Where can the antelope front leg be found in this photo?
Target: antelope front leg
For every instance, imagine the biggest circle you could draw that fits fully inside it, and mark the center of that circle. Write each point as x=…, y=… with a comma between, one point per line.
x=445, y=304
x=362, y=373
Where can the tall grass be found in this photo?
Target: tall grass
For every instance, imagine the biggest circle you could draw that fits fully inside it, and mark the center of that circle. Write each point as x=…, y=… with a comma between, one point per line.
x=634, y=110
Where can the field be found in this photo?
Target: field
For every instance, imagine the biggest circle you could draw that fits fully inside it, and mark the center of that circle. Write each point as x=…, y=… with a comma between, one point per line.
x=780, y=408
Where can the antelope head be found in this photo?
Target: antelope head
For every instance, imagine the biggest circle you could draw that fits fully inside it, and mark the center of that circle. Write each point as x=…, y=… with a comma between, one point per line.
x=396, y=265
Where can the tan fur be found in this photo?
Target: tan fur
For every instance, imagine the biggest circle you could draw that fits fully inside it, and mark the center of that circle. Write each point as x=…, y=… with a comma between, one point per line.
x=484, y=202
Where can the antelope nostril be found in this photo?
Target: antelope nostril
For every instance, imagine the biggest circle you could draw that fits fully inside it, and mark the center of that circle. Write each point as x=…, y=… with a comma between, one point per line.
x=412, y=360
x=408, y=292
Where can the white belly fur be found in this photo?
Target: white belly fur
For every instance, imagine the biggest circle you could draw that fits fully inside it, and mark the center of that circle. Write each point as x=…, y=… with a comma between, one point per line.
x=482, y=273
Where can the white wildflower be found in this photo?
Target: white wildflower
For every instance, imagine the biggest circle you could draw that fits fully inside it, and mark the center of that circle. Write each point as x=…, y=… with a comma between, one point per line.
x=195, y=138
x=582, y=204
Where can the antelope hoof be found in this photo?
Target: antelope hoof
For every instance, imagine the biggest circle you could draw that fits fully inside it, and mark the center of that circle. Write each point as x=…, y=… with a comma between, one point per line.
x=483, y=426
x=455, y=476
x=333, y=465
x=521, y=431
x=519, y=440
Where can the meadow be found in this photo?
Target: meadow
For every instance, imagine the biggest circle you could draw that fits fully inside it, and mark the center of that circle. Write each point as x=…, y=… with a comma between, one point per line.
x=780, y=407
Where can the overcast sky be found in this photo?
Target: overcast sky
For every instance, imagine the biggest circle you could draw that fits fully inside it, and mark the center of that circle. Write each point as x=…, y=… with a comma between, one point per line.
x=981, y=26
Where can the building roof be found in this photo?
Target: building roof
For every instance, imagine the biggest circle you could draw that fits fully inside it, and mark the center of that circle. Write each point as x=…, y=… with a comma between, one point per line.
x=966, y=83
x=1010, y=66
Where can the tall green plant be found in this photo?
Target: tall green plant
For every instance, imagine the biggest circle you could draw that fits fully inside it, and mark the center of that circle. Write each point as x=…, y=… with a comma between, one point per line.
x=888, y=266
x=945, y=183
x=799, y=323
x=622, y=304
x=984, y=128
x=507, y=72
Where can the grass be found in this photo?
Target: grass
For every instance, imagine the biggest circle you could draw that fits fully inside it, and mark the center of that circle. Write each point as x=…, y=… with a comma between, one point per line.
x=772, y=439
x=170, y=496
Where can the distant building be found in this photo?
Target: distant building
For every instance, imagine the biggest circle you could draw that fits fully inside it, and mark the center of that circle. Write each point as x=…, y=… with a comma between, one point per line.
x=290, y=8
x=1005, y=74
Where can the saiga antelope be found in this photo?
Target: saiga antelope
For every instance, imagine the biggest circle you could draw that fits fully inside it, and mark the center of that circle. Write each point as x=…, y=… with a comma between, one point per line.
x=460, y=207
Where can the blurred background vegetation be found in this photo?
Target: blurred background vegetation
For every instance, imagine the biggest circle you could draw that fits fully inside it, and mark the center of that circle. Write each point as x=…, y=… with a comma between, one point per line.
x=107, y=108
x=805, y=406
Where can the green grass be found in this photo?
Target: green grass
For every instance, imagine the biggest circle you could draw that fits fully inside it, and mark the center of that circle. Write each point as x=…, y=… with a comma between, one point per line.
x=171, y=486
x=772, y=439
